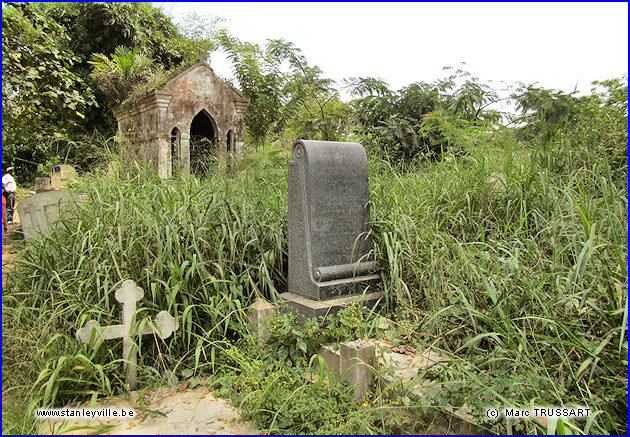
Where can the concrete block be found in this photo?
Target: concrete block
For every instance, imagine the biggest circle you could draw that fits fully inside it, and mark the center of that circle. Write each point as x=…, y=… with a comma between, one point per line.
x=260, y=311
x=309, y=308
x=356, y=361
x=332, y=357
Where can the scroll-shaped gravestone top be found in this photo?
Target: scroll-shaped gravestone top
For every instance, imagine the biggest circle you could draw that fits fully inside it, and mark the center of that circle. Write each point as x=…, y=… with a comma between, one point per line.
x=328, y=213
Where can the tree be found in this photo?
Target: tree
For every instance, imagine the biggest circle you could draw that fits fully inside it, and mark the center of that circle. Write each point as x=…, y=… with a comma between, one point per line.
x=117, y=76
x=328, y=120
x=41, y=94
x=423, y=119
x=374, y=103
x=101, y=27
x=278, y=82
x=544, y=112
x=200, y=30
x=598, y=132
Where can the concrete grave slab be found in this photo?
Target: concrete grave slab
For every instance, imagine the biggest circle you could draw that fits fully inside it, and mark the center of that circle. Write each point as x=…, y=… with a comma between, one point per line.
x=39, y=212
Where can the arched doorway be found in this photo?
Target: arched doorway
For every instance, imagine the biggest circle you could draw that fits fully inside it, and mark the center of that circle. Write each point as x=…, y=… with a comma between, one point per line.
x=176, y=150
x=230, y=150
x=203, y=149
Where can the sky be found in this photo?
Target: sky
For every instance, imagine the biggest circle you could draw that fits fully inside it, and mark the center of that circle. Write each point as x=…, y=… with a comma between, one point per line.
x=562, y=46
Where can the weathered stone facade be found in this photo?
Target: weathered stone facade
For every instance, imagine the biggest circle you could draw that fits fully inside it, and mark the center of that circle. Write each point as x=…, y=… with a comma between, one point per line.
x=163, y=125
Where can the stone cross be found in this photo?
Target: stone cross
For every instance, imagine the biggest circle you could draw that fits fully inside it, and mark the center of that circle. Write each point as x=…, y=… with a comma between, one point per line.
x=330, y=251
x=128, y=294
x=60, y=174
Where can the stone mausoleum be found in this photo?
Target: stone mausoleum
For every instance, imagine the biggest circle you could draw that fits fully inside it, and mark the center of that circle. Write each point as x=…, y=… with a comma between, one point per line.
x=193, y=117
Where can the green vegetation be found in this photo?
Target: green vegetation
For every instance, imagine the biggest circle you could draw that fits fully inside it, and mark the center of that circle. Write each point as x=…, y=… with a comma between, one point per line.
x=504, y=242
x=275, y=92
x=43, y=97
x=522, y=277
x=50, y=99
x=423, y=119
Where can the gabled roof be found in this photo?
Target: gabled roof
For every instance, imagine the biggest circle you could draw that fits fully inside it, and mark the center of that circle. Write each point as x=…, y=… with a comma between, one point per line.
x=162, y=92
x=204, y=65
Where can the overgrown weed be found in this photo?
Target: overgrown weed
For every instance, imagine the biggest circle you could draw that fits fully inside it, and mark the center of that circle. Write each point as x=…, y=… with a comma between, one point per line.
x=509, y=259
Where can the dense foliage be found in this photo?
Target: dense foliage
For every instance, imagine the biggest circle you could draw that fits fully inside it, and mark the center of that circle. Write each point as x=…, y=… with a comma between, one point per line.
x=278, y=82
x=511, y=259
x=503, y=237
x=52, y=106
x=43, y=97
x=422, y=120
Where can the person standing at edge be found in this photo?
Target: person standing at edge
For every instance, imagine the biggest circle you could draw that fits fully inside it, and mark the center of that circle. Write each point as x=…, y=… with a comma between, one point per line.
x=8, y=191
x=5, y=228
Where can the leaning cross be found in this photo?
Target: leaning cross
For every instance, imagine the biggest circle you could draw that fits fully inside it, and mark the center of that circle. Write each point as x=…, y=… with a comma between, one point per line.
x=128, y=294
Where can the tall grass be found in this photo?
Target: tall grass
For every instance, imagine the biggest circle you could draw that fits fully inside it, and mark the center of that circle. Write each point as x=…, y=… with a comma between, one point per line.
x=202, y=250
x=511, y=260
x=517, y=269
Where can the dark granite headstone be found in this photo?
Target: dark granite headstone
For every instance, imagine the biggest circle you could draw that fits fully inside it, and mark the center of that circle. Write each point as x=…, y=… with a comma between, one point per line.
x=330, y=253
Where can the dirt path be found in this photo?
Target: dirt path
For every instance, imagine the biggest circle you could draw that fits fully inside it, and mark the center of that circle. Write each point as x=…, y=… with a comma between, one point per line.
x=161, y=411
x=8, y=252
x=8, y=259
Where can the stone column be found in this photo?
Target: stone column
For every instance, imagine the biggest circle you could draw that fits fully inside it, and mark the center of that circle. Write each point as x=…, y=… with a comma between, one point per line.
x=161, y=126
x=184, y=153
x=221, y=148
x=162, y=146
